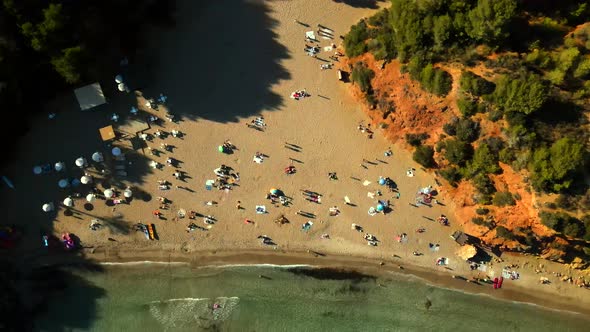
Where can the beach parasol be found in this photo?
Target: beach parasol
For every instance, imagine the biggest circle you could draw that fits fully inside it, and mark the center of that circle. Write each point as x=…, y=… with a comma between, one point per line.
x=97, y=156
x=276, y=191
x=90, y=198
x=119, y=79
x=63, y=183
x=47, y=207
x=134, y=110
x=379, y=207
x=37, y=170
x=128, y=193
x=108, y=193
x=220, y=148
x=86, y=179
x=59, y=166
x=68, y=202
x=153, y=164
x=466, y=252
x=381, y=181
x=121, y=87
x=346, y=199
x=80, y=162
x=75, y=182
x=116, y=151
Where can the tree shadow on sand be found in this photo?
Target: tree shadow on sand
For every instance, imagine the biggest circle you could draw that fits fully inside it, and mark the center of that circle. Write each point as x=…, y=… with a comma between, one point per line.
x=219, y=62
x=371, y=4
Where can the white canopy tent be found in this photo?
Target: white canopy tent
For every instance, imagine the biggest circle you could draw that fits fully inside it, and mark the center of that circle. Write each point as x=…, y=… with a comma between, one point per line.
x=90, y=96
x=90, y=198
x=127, y=193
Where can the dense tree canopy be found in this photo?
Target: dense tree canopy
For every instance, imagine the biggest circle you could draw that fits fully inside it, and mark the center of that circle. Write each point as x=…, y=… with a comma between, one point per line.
x=525, y=94
x=553, y=167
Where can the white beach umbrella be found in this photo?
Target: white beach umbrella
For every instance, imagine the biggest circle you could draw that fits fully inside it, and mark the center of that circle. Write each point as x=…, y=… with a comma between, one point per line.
x=68, y=202
x=86, y=179
x=97, y=156
x=128, y=193
x=37, y=170
x=47, y=207
x=109, y=193
x=90, y=198
x=59, y=166
x=80, y=162
x=119, y=79
x=153, y=164
x=116, y=151
x=63, y=183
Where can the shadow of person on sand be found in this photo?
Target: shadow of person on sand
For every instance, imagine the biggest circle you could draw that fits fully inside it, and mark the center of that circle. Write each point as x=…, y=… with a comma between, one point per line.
x=219, y=62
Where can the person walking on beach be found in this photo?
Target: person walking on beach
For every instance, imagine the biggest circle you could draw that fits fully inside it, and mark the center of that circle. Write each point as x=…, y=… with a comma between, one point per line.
x=239, y=205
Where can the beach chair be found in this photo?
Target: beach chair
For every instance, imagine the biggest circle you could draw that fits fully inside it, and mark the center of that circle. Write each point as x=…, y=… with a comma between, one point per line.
x=121, y=173
x=120, y=167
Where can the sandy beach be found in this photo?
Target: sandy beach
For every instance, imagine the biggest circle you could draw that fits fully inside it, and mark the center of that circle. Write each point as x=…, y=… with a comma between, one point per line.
x=219, y=77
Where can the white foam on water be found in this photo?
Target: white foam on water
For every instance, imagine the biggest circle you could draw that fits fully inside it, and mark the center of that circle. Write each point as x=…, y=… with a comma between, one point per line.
x=144, y=263
x=258, y=265
x=181, y=299
x=186, y=312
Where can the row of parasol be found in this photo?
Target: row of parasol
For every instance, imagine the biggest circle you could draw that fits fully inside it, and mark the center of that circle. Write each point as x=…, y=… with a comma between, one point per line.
x=69, y=202
x=80, y=162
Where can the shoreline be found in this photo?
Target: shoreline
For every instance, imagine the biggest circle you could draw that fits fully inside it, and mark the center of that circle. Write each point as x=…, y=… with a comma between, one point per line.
x=287, y=259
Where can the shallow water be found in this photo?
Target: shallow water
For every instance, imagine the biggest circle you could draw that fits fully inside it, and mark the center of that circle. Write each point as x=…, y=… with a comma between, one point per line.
x=179, y=298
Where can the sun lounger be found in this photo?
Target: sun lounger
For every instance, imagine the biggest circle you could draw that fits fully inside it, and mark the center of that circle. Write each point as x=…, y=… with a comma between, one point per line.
x=120, y=167
x=121, y=173
x=120, y=157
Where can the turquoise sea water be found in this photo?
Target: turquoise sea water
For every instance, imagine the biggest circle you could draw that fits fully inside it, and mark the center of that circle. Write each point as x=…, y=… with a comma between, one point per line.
x=265, y=298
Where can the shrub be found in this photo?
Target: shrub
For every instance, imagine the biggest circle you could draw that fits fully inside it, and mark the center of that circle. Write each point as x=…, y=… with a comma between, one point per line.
x=564, y=223
x=495, y=114
x=467, y=106
x=482, y=222
x=354, y=41
x=424, y=156
x=475, y=85
x=450, y=128
x=503, y=232
x=503, y=198
x=483, y=184
x=550, y=220
x=467, y=130
x=586, y=221
x=484, y=161
x=573, y=228
x=451, y=174
x=565, y=202
x=525, y=94
x=458, y=152
x=482, y=211
x=416, y=139
x=362, y=76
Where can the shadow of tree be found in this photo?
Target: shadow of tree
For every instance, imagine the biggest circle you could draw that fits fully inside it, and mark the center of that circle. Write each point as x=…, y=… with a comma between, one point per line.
x=221, y=71
x=371, y=4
